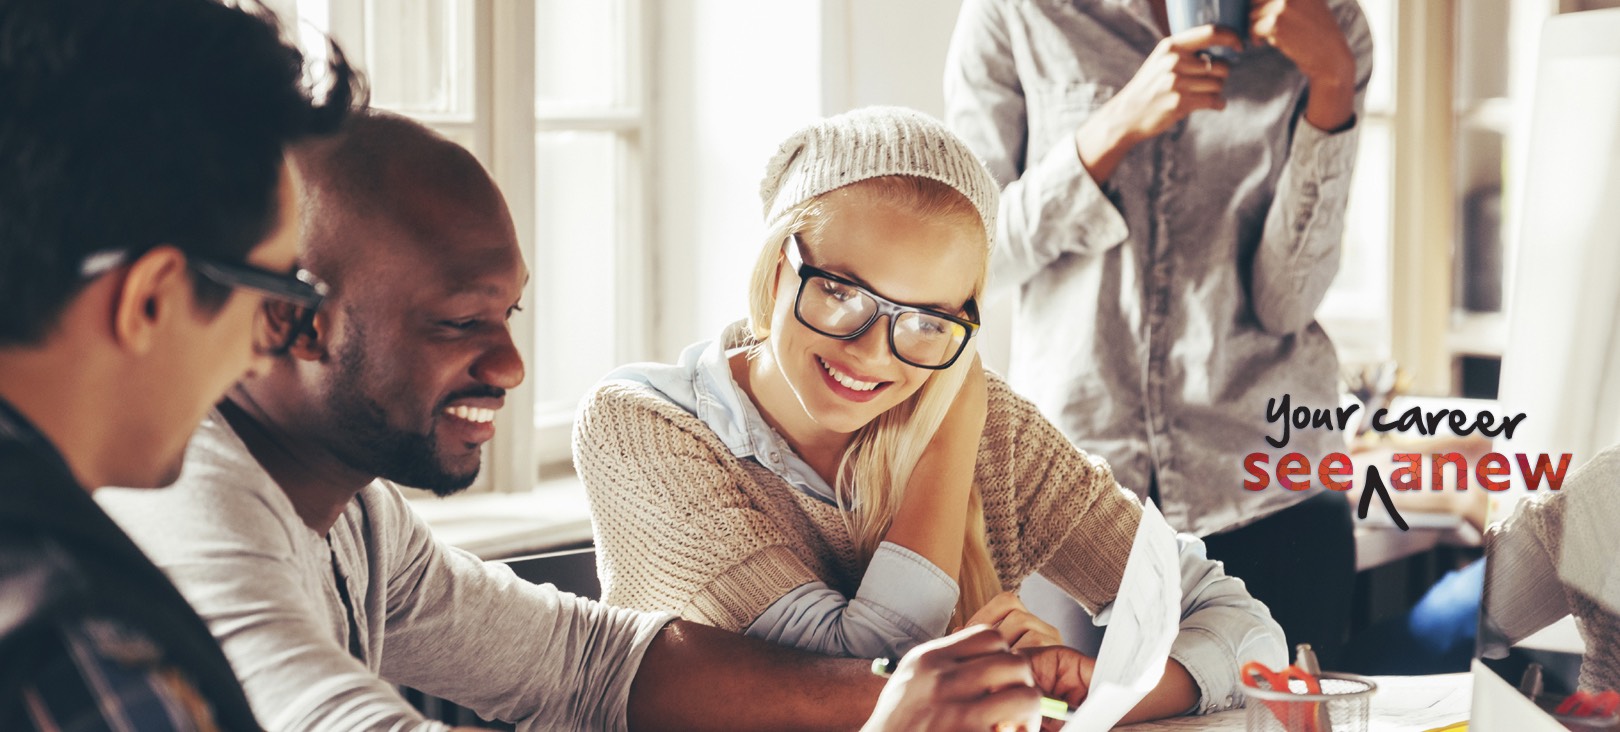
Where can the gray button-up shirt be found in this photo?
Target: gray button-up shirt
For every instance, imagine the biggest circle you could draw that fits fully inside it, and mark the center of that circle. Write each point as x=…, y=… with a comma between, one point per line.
x=1158, y=312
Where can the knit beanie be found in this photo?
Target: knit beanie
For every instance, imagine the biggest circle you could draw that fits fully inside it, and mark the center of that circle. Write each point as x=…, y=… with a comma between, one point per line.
x=872, y=142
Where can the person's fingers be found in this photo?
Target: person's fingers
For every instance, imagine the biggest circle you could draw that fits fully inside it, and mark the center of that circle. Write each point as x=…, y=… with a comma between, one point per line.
x=1202, y=37
x=994, y=611
x=1021, y=628
x=1202, y=65
x=1020, y=705
x=1263, y=19
x=1259, y=8
x=973, y=677
x=1035, y=638
x=1263, y=31
x=1189, y=102
x=1198, y=85
x=970, y=642
x=1062, y=672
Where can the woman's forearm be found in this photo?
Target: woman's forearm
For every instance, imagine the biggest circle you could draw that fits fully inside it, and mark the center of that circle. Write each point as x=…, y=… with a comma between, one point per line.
x=1176, y=694
x=932, y=517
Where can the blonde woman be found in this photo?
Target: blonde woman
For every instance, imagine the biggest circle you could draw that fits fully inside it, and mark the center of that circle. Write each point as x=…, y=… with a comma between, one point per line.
x=839, y=474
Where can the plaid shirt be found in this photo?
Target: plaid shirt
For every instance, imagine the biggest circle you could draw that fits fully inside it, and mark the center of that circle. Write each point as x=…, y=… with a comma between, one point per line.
x=92, y=637
x=98, y=674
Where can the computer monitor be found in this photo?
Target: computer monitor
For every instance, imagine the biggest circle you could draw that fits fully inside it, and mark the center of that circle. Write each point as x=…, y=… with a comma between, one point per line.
x=1561, y=367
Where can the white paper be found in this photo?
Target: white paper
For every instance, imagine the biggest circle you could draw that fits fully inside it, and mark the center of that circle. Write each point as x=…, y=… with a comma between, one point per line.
x=1145, y=618
x=1411, y=703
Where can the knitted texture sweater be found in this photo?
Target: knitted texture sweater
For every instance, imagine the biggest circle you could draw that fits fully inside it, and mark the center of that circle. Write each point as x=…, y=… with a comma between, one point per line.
x=683, y=525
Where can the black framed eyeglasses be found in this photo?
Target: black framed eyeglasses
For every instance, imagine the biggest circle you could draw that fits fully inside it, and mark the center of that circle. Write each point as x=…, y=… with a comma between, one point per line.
x=841, y=309
x=299, y=288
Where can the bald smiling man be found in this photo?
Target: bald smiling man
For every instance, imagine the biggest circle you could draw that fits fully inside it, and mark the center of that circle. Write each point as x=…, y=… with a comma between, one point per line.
x=287, y=534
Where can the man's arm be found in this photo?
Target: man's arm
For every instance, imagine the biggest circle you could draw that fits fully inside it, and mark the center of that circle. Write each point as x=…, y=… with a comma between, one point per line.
x=695, y=677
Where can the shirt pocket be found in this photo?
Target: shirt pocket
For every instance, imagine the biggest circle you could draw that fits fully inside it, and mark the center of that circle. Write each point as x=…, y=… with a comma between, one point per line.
x=1057, y=109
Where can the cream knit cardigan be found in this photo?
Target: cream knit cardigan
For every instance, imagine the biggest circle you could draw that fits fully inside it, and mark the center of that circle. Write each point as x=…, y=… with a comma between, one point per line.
x=685, y=526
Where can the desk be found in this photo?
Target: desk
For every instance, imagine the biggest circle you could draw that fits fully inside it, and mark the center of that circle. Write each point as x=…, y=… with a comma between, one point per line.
x=1435, y=517
x=1380, y=541
x=555, y=515
x=1401, y=704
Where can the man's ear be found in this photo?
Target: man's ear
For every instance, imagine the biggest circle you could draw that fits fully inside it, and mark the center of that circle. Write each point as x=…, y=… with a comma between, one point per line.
x=156, y=286
x=285, y=319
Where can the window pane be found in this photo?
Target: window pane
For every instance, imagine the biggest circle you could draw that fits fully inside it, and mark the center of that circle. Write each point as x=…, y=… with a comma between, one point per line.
x=1356, y=310
x=419, y=56
x=1381, y=88
x=581, y=54
x=577, y=214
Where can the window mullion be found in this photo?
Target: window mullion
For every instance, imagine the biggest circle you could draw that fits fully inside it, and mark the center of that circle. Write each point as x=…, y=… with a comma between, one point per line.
x=635, y=253
x=507, y=108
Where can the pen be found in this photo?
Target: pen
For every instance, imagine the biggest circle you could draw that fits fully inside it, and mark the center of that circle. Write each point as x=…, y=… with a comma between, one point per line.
x=1050, y=708
x=1530, y=682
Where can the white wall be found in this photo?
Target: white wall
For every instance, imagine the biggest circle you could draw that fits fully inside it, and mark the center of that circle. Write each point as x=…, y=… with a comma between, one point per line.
x=738, y=76
x=735, y=77
x=892, y=52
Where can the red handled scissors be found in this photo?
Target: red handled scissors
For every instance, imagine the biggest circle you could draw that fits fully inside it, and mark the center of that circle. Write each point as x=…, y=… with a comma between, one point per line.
x=1587, y=704
x=1295, y=716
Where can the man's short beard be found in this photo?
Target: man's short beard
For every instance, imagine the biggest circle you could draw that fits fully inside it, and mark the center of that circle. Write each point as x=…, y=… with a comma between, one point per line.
x=369, y=444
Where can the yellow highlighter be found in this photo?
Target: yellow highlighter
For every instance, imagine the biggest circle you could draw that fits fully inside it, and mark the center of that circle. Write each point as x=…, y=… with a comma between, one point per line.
x=1050, y=708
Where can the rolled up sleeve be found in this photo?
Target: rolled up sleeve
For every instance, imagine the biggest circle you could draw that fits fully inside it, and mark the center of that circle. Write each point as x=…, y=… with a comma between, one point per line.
x=903, y=600
x=1047, y=209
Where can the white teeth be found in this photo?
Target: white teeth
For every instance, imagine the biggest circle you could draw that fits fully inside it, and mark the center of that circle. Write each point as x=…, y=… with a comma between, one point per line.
x=472, y=414
x=846, y=379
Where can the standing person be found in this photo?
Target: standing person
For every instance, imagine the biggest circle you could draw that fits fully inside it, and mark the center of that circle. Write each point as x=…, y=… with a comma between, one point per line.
x=146, y=214
x=838, y=473
x=1170, y=224
x=327, y=592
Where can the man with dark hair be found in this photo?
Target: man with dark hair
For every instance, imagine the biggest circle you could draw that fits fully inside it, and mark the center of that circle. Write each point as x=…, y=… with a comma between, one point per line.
x=325, y=589
x=146, y=215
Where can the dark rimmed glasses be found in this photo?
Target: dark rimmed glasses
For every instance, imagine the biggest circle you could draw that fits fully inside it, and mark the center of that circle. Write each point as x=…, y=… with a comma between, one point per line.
x=838, y=308
x=300, y=288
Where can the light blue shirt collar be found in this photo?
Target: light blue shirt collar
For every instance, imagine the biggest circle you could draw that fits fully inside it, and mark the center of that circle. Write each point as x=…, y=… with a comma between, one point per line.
x=700, y=382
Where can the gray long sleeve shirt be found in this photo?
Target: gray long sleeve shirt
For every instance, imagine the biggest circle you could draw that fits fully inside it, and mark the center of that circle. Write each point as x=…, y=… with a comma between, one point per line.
x=1158, y=312
x=425, y=615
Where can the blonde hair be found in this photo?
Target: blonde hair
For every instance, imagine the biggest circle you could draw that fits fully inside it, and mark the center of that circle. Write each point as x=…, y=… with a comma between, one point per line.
x=877, y=465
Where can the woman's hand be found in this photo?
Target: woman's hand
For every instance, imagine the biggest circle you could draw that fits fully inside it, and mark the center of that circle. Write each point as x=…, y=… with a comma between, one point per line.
x=1064, y=673
x=1173, y=82
x=1017, y=625
x=1307, y=33
x=1061, y=672
x=968, y=681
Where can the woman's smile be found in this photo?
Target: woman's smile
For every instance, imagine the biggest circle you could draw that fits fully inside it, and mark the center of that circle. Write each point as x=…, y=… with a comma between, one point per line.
x=847, y=384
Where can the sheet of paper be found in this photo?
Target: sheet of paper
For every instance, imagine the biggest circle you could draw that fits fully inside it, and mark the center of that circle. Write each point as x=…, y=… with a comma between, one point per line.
x=1146, y=616
x=1405, y=703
